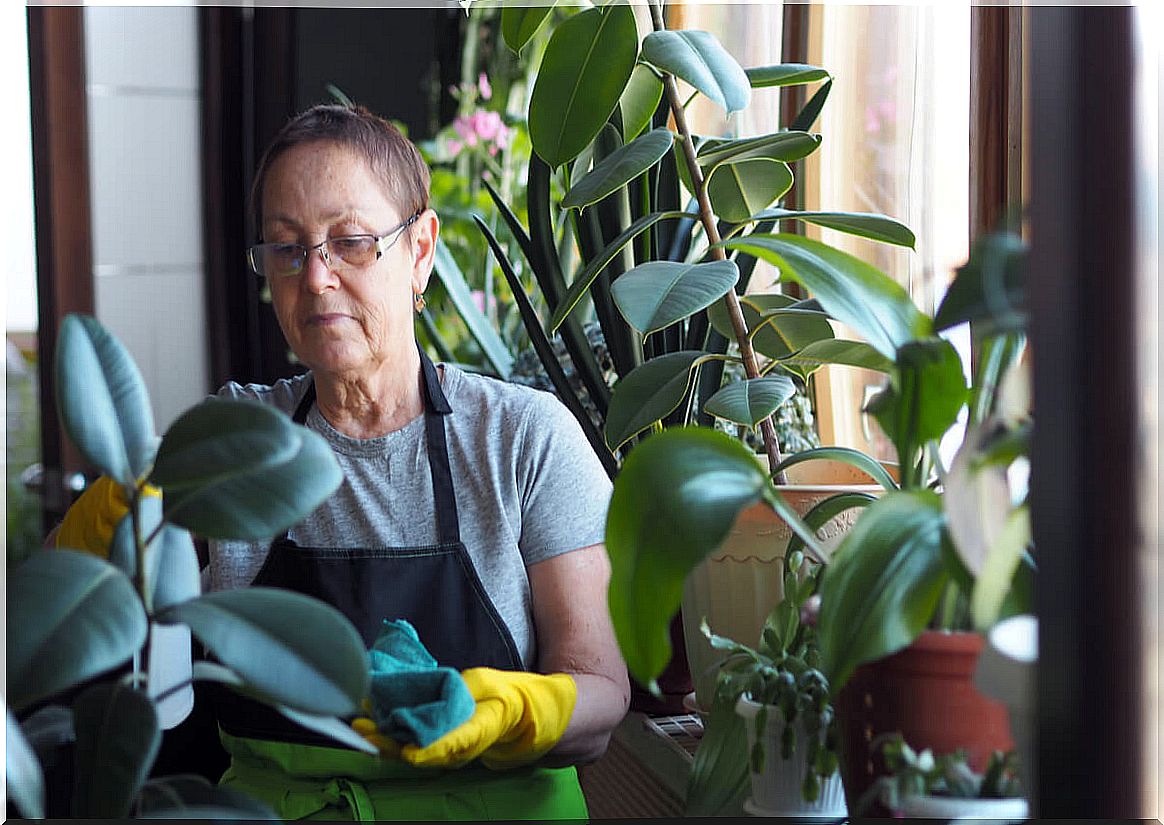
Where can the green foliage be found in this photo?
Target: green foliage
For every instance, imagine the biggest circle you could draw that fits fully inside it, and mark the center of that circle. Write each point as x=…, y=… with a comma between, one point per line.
x=77, y=618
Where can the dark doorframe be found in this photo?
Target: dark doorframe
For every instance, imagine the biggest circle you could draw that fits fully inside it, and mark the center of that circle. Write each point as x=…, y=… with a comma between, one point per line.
x=64, y=259
x=1083, y=483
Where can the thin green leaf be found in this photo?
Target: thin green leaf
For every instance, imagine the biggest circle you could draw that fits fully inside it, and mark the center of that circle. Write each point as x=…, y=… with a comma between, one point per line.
x=825, y=511
x=862, y=224
x=855, y=458
x=639, y=100
x=784, y=74
x=656, y=294
x=750, y=401
x=647, y=394
x=718, y=779
x=117, y=740
x=994, y=582
x=494, y=349
x=840, y=351
x=700, y=59
x=619, y=168
x=812, y=109
x=784, y=146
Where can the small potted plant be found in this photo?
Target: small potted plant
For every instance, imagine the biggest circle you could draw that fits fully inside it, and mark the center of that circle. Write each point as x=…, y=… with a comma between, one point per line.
x=925, y=786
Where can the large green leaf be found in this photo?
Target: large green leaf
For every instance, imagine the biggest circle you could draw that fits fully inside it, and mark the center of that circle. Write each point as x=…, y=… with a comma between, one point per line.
x=298, y=650
x=260, y=503
x=784, y=74
x=188, y=796
x=104, y=405
x=656, y=294
x=76, y=616
x=701, y=60
x=740, y=189
x=988, y=289
x=218, y=440
x=850, y=290
x=847, y=455
x=862, y=224
x=520, y=23
x=587, y=64
x=785, y=146
x=840, y=351
x=492, y=346
x=117, y=739
x=648, y=393
x=175, y=576
x=673, y=503
x=884, y=583
x=750, y=401
x=22, y=774
x=777, y=330
x=619, y=168
x=639, y=100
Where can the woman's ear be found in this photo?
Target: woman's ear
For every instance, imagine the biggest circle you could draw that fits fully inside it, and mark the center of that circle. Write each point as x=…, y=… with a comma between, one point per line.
x=424, y=232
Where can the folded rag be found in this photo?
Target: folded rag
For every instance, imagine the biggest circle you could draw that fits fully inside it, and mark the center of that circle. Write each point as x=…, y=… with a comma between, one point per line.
x=413, y=699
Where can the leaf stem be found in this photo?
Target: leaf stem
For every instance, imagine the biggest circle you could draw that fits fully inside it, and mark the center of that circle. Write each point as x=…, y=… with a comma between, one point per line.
x=141, y=662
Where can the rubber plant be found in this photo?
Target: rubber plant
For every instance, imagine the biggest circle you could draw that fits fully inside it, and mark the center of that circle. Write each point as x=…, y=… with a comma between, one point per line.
x=78, y=697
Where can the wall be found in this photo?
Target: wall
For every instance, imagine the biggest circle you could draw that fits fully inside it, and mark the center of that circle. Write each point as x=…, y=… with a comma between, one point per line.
x=143, y=105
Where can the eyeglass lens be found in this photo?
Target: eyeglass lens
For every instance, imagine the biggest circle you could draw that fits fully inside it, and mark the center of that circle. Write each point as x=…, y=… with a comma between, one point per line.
x=291, y=259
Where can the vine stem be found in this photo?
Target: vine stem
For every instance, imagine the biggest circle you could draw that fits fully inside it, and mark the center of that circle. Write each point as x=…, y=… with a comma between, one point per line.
x=707, y=218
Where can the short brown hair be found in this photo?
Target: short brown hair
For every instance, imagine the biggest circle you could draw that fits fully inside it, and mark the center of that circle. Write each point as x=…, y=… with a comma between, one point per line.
x=389, y=153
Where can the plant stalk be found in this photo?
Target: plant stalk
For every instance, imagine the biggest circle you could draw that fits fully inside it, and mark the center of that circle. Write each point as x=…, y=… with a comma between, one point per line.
x=707, y=217
x=142, y=661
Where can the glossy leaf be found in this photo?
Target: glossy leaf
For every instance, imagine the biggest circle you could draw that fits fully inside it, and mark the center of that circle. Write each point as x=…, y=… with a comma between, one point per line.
x=184, y=795
x=862, y=224
x=117, y=740
x=175, y=575
x=520, y=23
x=807, y=116
x=700, y=59
x=492, y=346
x=784, y=146
x=776, y=332
x=586, y=66
x=740, y=189
x=594, y=267
x=22, y=773
x=78, y=616
x=619, y=168
x=840, y=351
x=750, y=401
x=654, y=295
x=784, y=74
x=639, y=100
x=884, y=583
x=104, y=405
x=988, y=289
x=297, y=650
x=261, y=503
x=648, y=393
x=847, y=455
x=850, y=290
x=674, y=501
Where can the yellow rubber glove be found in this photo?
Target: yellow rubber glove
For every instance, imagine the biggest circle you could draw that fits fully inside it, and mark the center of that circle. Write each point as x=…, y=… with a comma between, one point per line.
x=91, y=519
x=519, y=717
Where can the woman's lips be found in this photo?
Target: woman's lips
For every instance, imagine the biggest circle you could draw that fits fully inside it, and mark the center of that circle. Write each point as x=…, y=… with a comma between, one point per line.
x=326, y=319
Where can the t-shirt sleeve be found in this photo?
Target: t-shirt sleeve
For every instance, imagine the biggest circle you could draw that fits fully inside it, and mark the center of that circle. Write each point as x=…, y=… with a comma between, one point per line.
x=565, y=491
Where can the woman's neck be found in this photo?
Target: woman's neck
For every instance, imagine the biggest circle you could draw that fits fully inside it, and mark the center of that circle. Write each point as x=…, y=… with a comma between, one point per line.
x=368, y=406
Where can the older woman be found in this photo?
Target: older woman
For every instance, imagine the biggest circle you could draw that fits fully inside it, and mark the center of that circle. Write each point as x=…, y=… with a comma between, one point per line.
x=471, y=507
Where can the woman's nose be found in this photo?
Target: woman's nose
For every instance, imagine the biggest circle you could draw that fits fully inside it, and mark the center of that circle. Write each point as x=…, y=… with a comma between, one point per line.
x=318, y=276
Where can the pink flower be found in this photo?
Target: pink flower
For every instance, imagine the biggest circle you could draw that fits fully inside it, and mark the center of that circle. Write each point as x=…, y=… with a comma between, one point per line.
x=464, y=127
x=453, y=147
x=484, y=87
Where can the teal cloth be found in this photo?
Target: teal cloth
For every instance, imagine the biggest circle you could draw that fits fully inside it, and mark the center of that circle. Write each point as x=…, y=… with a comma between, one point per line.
x=414, y=700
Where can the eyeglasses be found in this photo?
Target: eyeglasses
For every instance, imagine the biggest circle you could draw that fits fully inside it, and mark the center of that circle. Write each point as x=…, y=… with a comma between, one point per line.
x=283, y=260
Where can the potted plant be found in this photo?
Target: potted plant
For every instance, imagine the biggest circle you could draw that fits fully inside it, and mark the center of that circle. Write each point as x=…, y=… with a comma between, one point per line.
x=925, y=786
x=82, y=719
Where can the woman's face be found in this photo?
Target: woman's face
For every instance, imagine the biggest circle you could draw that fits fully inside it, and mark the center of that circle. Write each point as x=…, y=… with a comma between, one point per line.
x=347, y=324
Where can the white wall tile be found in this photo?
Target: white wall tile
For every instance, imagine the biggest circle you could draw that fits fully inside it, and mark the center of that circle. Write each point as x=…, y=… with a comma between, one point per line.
x=161, y=320
x=142, y=46
x=145, y=188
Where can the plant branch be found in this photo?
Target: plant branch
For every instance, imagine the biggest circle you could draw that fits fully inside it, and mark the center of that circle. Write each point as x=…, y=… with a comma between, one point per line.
x=707, y=218
x=139, y=575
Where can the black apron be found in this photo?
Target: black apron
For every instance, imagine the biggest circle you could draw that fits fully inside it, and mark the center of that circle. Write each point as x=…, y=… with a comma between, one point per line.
x=435, y=587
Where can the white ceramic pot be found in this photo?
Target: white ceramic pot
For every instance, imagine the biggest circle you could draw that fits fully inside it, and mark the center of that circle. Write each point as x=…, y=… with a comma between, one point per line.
x=776, y=789
x=948, y=807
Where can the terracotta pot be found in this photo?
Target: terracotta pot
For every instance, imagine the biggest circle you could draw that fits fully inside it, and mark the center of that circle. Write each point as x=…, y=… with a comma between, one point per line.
x=926, y=692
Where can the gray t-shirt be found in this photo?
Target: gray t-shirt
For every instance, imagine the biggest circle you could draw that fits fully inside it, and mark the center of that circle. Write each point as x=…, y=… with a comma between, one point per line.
x=527, y=483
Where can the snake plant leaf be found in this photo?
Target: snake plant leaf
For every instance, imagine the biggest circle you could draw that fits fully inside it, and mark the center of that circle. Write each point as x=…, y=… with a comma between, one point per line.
x=854, y=458
x=778, y=331
x=839, y=351
x=784, y=74
x=647, y=394
x=22, y=773
x=175, y=576
x=619, y=168
x=586, y=277
x=261, y=502
x=78, y=616
x=295, y=649
x=492, y=346
x=104, y=405
x=674, y=501
x=750, y=401
x=189, y=796
x=988, y=289
x=862, y=224
x=784, y=146
x=117, y=740
x=218, y=439
x=639, y=100
x=850, y=290
x=520, y=23
x=654, y=295
x=740, y=189
x=700, y=59
x=884, y=583
x=583, y=73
